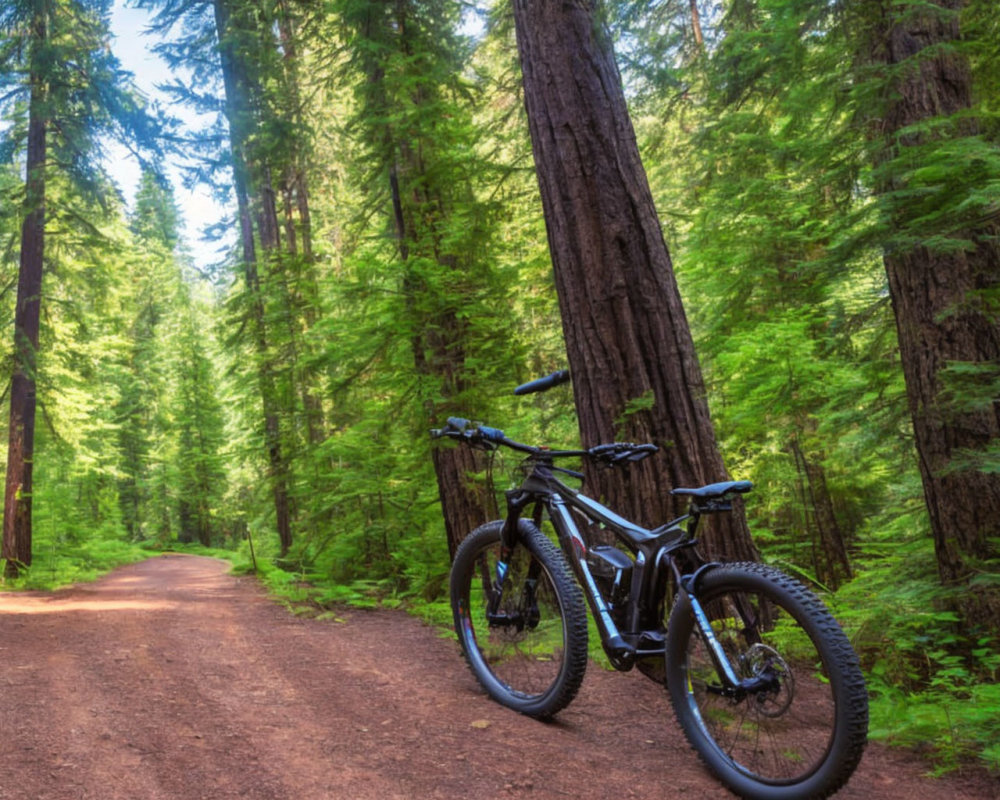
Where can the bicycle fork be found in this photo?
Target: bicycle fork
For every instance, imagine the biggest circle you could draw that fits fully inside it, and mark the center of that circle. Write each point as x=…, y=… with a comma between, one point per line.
x=732, y=685
x=526, y=614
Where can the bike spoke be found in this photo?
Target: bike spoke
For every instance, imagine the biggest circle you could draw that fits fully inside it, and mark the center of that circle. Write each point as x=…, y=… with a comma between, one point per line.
x=778, y=734
x=524, y=630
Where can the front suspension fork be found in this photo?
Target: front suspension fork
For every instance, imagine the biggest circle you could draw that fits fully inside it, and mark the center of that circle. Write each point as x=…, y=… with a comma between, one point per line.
x=715, y=651
x=733, y=685
x=527, y=614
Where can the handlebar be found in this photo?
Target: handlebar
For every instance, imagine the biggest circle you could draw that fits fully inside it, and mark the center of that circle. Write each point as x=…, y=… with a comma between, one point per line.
x=459, y=428
x=612, y=454
x=618, y=452
x=542, y=384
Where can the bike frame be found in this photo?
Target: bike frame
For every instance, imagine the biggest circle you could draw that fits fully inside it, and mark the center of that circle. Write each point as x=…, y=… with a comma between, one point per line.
x=654, y=569
x=654, y=565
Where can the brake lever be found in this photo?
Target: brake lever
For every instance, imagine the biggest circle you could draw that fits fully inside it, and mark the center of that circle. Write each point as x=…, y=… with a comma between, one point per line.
x=635, y=452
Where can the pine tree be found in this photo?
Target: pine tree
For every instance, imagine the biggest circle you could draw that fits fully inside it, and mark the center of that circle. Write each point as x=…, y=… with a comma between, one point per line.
x=55, y=57
x=251, y=50
x=198, y=415
x=934, y=168
x=754, y=179
x=421, y=144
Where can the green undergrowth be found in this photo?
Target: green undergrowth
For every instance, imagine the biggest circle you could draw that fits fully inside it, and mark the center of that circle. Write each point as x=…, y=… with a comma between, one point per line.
x=308, y=593
x=952, y=728
x=934, y=683
x=73, y=563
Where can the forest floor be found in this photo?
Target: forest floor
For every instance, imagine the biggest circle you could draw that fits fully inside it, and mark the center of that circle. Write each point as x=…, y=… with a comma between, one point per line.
x=174, y=679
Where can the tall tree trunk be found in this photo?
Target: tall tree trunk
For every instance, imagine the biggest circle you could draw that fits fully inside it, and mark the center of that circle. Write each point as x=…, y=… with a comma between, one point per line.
x=239, y=116
x=466, y=503
x=295, y=178
x=831, y=562
x=945, y=314
x=421, y=202
x=21, y=441
x=631, y=354
x=696, y=33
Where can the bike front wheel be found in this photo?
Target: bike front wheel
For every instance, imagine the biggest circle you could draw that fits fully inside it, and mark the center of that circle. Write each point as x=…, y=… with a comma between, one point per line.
x=798, y=725
x=530, y=651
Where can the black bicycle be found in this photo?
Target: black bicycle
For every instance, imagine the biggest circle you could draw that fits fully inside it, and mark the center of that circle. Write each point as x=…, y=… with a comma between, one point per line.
x=764, y=683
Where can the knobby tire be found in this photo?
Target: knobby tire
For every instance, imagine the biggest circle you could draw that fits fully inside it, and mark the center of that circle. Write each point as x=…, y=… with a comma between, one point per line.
x=800, y=737
x=534, y=660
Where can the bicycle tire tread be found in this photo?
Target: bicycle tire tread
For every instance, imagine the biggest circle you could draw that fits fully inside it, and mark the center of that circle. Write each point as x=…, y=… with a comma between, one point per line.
x=853, y=697
x=574, y=616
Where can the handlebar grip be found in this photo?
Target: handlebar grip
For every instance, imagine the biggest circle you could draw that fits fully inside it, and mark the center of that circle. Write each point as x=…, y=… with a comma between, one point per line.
x=541, y=384
x=459, y=427
x=491, y=434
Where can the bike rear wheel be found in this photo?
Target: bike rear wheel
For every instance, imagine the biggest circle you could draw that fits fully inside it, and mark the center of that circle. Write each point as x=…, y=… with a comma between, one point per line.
x=532, y=654
x=801, y=730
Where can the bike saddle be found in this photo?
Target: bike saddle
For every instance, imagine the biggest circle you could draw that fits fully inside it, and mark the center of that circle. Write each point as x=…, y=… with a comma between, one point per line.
x=716, y=490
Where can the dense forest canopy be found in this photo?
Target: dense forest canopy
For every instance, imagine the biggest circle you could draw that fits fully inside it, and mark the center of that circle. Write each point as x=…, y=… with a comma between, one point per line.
x=823, y=179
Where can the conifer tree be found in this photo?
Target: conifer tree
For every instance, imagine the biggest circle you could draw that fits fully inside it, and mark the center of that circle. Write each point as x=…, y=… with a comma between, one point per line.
x=241, y=53
x=419, y=138
x=56, y=63
x=789, y=332
x=251, y=53
x=635, y=372
x=934, y=167
x=198, y=416
x=788, y=126
x=168, y=416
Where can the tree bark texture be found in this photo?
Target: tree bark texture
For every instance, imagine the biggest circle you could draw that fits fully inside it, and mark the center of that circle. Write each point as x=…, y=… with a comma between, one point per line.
x=945, y=314
x=696, y=33
x=635, y=373
x=27, y=319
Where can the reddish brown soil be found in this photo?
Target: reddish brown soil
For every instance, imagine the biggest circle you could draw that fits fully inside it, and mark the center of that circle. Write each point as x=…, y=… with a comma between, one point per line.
x=174, y=679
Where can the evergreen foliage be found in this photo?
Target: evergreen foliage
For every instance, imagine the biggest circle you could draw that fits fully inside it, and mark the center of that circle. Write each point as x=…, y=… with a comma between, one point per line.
x=781, y=218
x=396, y=273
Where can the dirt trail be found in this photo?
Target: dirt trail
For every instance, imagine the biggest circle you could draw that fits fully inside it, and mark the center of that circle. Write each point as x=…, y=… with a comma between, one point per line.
x=174, y=679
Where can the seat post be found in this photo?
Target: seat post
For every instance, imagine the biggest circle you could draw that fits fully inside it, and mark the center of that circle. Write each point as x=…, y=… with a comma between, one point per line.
x=694, y=514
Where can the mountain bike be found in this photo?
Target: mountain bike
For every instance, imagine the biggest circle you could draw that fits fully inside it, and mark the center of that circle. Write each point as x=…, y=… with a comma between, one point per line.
x=763, y=681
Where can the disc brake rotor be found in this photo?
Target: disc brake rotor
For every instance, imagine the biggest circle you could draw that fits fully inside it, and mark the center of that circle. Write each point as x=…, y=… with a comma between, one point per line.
x=761, y=661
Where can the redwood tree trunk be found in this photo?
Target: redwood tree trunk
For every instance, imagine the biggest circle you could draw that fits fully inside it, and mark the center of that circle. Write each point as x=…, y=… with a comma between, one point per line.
x=944, y=315
x=21, y=442
x=635, y=373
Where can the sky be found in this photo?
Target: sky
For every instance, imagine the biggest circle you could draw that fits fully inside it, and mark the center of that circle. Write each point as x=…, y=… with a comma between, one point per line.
x=198, y=208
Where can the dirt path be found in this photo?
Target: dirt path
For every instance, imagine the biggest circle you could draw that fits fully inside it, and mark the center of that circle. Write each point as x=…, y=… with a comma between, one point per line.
x=173, y=679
